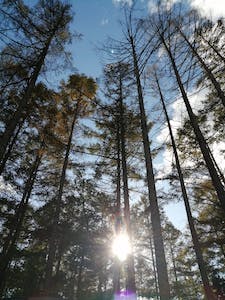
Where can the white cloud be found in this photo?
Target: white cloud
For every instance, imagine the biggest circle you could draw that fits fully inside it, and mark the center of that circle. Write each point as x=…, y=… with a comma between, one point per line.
x=217, y=149
x=123, y=2
x=180, y=112
x=210, y=8
x=178, y=117
x=214, y=9
x=152, y=7
x=161, y=52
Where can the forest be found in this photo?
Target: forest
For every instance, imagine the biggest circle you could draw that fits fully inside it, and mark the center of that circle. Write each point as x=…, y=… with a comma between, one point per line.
x=82, y=194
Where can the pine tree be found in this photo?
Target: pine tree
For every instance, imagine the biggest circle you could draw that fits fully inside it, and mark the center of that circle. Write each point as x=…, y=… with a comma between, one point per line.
x=166, y=41
x=44, y=26
x=78, y=93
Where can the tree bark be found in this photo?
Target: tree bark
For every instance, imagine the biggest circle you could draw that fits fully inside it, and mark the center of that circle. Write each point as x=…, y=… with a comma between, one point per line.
x=163, y=281
x=118, y=173
x=10, y=146
x=116, y=265
x=131, y=287
x=116, y=276
x=174, y=270
x=153, y=258
x=79, y=279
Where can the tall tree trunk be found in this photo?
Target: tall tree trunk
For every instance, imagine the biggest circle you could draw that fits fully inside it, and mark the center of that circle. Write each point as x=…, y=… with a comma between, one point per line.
x=174, y=271
x=213, y=48
x=58, y=201
x=153, y=256
x=201, y=264
x=59, y=258
x=222, y=178
x=163, y=281
x=79, y=279
x=13, y=122
x=116, y=264
x=118, y=170
x=7, y=253
x=220, y=190
x=116, y=276
x=207, y=70
x=10, y=146
x=221, y=246
x=131, y=287
x=72, y=289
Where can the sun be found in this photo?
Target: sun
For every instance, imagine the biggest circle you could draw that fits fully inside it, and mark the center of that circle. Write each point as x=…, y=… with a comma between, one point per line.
x=121, y=246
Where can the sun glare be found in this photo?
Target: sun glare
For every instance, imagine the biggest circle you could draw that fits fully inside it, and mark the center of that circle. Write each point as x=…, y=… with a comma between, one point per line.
x=121, y=246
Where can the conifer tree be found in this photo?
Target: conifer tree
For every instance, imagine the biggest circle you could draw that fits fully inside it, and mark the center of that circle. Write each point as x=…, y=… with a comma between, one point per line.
x=77, y=93
x=42, y=29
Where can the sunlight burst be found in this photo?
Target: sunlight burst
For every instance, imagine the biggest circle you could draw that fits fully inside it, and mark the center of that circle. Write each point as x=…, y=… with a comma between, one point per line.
x=121, y=246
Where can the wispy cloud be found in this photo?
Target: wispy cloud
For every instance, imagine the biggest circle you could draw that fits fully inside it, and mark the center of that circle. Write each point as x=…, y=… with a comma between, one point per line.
x=177, y=121
x=153, y=5
x=214, y=9
x=104, y=21
x=122, y=2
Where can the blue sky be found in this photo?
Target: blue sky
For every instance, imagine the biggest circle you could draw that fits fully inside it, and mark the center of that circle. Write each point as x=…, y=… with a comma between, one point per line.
x=96, y=20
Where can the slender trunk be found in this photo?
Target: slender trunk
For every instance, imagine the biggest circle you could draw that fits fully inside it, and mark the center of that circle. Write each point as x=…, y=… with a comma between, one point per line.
x=13, y=122
x=118, y=172
x=222, y=250
x=208, y=72
x=116, y=265
x=163, y=281
x=199, y=136
x=53, y=238
x=222, y=178
x=153, y=259
x=105, y=278
x=79, y=279
x=130, y=260
x=59, y=259
x=201, y=264
x=116, y=276
x=221, y=245
x=16, y=228
x=100, y=284
x=73, y=284
x=213, y=48
x=10, y=146
x=173, y=262
x=174, y=271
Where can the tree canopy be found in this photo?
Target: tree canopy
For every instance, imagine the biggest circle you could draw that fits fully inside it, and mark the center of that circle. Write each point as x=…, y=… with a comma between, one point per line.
x=91, y=162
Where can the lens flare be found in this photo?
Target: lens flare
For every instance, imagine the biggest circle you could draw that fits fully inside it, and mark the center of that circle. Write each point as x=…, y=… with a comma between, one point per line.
x=121, y=246
x=125, y=295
